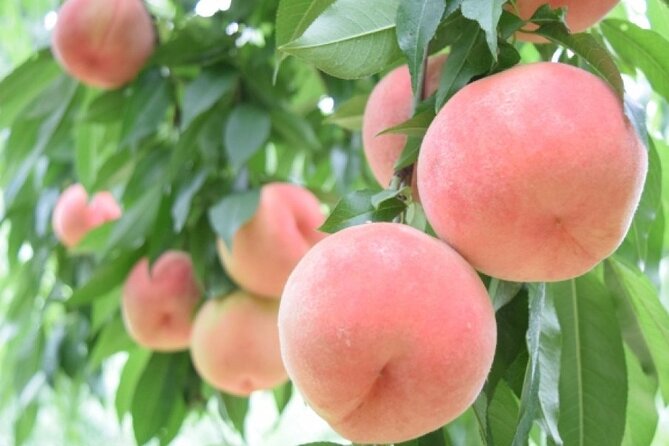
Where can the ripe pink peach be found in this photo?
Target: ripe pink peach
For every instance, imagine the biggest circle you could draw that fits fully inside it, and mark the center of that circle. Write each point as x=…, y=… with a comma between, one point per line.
x=103, y=43
x=266, y=248
x=581, y=14
x=387, y=106
x=532, y=174
x=159, y=303
x=73, y=217
x=235, y=344
x=386, y=331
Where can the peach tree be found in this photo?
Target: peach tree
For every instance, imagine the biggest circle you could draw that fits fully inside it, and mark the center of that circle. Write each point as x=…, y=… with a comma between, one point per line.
x=237, y=94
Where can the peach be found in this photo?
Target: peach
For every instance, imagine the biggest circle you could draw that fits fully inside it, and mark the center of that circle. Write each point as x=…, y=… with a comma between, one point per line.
x=387, y=106
x=386, y=331
x=532, y=174
x=158, y=305
x=73, y=217
x=581, y=14
x=266, y=248
x=235, y=344
x=103, y=43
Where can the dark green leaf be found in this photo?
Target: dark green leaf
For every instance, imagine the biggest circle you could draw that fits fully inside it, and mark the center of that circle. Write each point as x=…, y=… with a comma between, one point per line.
x=156, y=394
x=229, y=214
x=469, y=57
x=593, y=378
x=202, y=93
x=132, y=371
x=107, y=277
x=356, y=208
x=113, y=339
x=146, y=108
x=416, y=25
x=409, y=154
x=416, y=126
x=107, y=107
x=348, y=42
x=182, y=203
x=503, y=414
x=245, y=133
x=487, y=14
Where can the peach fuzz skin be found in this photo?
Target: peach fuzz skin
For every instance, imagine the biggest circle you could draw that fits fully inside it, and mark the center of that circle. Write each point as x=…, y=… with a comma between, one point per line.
x=387, y=106
x=532, y=174
x=73, y=217
x=158, y=305
x=103, y=43
x=581, y=14
x=387, y=332
x=235, y=344
x=266, y=248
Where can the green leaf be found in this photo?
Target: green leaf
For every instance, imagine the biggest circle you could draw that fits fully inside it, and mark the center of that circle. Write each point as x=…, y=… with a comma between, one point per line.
x=245, y=133
x=113, y=339
x=550, y=354
x=643, y=49
x=658, y=15
x=529, y=400
x=182, y=203
x=416, y=126
x=642, y=416
x=503, y=414
x=501, y=292
x=416, y=24
x=643, y=318
x=229, y=214
x=108, y=107
x=593, y=378
x=356, y=208
x=105, y=278
x=25, y=423
x=294, y=16
x=282, y=395
x=202, y=93
x=639, y=247
x=146, y=108
x=434, y=438
x=23, y=84
x=347, y=41
x=136, y=222
x=132, y=371
x=486, y=13
x=409, y=153
x=469, y=57
x=157, y=392
x=582, y=44
x=294, y=129
x=349, y=114
x=233, y=409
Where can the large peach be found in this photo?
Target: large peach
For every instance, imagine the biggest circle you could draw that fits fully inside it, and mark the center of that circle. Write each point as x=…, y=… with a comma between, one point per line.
x=532, y=174
x=266, y=248
x=73, y=217
x=581, y=14
x=235, y=344
x=159, y=304
x=103, y=43
x=387, y=106
x=386, y=331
